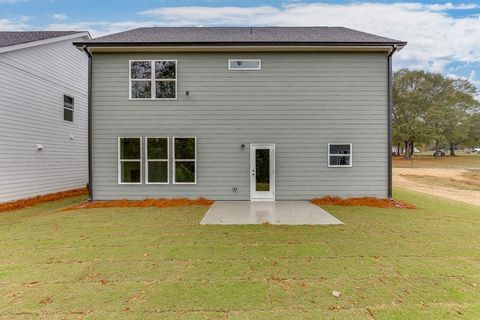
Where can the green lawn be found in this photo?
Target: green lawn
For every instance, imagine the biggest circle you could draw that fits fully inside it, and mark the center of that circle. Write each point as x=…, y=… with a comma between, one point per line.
x=460, y=161
x=147, y=263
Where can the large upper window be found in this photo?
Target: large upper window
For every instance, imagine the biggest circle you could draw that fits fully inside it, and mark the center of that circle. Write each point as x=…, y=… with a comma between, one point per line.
x=68, y=106
x=185, y=160
x=129, y=160
x=244, y=64
x=153, y=79
x=157, y=160
x=340, y=155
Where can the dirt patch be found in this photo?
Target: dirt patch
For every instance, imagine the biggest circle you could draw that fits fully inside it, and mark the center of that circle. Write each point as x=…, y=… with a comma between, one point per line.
x=472, y=175
x=455, y=184
x=463, y=182
x=158, y=203
x=24, y=203
x=363, y=201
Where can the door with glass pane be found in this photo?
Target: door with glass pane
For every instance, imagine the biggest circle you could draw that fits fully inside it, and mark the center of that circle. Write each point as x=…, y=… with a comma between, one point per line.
x=262, y=172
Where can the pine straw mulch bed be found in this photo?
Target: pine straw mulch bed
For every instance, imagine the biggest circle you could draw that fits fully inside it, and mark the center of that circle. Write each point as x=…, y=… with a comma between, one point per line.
x=363, y=201
x=24, y=203
x=157, y=203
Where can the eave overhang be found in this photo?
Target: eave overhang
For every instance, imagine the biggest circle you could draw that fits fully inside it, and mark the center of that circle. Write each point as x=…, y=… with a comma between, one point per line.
x=217, y=46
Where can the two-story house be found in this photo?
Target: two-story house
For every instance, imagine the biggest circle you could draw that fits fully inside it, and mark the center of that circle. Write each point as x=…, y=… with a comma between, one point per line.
x=237, y=113
x=43, y=113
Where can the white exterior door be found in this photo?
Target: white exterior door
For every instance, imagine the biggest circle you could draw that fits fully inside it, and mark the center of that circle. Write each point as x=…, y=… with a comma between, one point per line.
x=262, y=172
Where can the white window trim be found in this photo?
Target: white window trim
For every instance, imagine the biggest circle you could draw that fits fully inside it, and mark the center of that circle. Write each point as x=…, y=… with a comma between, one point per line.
x=73, y=107
x=119, y=168
x=152, y=81
x=245, y=69
x=167, y=160
x=175, y=160
x=342, y=155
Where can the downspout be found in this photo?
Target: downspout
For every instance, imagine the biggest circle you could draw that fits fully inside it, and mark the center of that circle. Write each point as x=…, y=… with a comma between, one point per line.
x=90, y=186
x=390, y=113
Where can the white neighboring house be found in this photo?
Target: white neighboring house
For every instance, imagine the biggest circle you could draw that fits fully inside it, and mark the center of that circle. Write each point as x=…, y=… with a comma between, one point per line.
x=43, y=113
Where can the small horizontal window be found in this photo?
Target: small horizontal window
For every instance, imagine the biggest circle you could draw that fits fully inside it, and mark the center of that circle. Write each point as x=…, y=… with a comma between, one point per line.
x=68, y=106
x=340, y=155
x=244, y=64
x=153, y=79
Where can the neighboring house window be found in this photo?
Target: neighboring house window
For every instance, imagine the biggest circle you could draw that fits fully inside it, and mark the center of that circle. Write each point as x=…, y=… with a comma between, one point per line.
x=129, y=160
x=68, y=106
x=244, y=64
x=157, y=160
x=340, y=155
x=153, y=79
x=185, y=160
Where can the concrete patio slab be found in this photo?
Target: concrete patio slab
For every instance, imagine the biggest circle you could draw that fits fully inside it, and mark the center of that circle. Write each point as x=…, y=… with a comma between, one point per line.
x=275, y=212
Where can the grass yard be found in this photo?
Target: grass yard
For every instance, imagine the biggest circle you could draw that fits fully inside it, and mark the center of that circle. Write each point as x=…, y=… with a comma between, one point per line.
x=461, y=161
x=148, y=263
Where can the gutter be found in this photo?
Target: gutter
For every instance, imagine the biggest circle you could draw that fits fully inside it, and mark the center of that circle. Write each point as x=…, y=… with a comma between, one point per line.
x=231, y=43
x=395, y=48
x=90, y=186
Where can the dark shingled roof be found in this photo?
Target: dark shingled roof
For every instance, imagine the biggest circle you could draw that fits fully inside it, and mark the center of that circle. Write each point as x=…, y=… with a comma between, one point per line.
x=10, y=38
x=241, y=36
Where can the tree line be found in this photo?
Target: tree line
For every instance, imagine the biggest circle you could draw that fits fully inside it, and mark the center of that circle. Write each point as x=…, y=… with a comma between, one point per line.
x=429, y=108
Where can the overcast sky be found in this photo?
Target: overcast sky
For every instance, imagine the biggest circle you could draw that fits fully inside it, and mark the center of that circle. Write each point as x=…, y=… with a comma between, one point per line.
x=442, y=36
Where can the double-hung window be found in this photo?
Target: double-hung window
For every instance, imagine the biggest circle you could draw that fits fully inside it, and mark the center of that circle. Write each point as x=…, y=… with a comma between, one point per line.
x=157, y=160
x=68, y=106
x=339, y=155
x=130, y=160
x=153, y=79
x=185, y=160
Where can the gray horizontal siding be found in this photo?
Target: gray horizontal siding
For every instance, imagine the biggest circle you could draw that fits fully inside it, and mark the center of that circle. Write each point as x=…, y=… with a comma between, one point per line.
x=299, y=101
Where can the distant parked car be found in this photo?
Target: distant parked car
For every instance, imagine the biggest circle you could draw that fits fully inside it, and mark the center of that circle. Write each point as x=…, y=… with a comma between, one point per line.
x=441, y=152
x=476, y=150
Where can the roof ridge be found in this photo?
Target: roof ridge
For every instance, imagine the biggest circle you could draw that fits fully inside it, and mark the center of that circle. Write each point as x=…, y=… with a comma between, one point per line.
x=242, y=35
